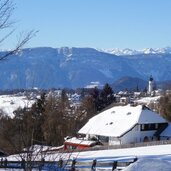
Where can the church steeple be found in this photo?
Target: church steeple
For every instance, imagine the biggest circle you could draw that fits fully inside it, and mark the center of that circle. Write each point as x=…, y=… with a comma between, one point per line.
x=150, y=85
x=151, y=78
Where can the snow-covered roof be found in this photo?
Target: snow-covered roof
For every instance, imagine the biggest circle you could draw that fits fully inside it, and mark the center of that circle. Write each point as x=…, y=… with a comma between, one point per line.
x=75, y=140
x=118, y=120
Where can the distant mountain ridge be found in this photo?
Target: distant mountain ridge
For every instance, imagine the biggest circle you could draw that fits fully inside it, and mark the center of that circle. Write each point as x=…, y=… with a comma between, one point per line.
x=127, y=51
x=129, y=83
x=47, y=67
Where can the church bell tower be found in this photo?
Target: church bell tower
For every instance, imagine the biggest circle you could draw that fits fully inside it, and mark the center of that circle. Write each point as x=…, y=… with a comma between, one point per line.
x=150, y=85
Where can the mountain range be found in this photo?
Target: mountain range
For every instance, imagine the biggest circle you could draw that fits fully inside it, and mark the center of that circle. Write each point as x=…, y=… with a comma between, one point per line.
x=46, y=67
x=127, y=51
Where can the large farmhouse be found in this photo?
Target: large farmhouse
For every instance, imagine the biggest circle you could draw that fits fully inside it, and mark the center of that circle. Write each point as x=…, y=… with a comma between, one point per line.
x=125, y=125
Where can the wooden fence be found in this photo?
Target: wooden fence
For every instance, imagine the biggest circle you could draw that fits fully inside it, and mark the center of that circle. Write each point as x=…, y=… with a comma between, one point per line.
x=110, y=163
x=82, y=164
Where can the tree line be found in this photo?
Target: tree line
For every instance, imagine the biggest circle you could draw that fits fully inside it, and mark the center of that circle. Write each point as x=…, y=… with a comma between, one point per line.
x=50, y=119
x=165, y=106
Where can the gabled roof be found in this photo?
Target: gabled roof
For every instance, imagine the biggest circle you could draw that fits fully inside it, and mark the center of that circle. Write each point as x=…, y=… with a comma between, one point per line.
x=118, y=120
x=166, y=132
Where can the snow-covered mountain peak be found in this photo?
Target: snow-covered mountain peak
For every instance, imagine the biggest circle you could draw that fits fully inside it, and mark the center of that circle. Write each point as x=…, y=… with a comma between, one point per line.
x=127, y=51
x=119, y=52
x=149, y=51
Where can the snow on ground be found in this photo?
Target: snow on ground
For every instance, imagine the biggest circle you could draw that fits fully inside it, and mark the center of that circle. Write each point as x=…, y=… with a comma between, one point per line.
x=140, y=152
x=9, y=103
x=152, y=158
x=158, y=151
x=149, y=165
x=148, y=100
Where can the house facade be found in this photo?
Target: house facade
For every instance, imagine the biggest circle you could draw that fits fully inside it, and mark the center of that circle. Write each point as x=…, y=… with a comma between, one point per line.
x=125, y=125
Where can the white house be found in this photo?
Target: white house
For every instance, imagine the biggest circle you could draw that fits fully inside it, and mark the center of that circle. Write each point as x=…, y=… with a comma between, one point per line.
x=125, y=125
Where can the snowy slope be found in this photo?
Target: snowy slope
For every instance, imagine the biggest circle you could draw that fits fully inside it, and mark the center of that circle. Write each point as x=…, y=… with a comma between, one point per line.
x=10, y=103
x=150, y=164
x=157, y=156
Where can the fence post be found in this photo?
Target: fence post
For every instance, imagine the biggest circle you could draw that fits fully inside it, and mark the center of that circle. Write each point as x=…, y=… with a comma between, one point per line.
x=60, y=163
x=5, y=162
x=42, y=162
x=23, y=163
x=115, y=163
x=2, y=162
x=135, y=159
x=73, y=165
x=93, y=167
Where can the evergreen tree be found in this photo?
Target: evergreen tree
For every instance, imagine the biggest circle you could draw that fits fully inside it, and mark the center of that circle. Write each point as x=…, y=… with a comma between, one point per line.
x=106, y=96
x=95, y=95
x=37, y=112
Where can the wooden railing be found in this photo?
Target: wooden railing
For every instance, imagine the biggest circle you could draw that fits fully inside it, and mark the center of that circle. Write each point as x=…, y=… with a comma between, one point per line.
x=82, y=164
x=110, y=163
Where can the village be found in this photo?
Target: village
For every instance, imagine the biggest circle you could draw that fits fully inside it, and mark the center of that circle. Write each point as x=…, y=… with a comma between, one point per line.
x=135, y=121
x=85, y=85
x=134, y=117
x=132, y=122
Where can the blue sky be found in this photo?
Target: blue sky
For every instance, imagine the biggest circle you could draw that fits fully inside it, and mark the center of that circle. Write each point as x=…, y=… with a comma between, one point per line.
x=133, y=24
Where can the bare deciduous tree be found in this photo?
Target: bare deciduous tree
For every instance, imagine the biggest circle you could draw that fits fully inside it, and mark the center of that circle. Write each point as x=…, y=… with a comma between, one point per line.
x=6, y=28
x=165, y=107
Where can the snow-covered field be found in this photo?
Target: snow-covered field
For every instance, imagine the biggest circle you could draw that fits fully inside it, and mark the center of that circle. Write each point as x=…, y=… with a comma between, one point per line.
x=150, y=158
x=149, y=165
x=9, y=103
x=158, y=151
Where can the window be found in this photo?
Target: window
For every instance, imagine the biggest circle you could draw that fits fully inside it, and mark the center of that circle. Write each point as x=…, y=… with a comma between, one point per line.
x=148, y=127
x=103, y=138
x=142, y=127
x=129, y=113
x=152, y=126
x=70, y=147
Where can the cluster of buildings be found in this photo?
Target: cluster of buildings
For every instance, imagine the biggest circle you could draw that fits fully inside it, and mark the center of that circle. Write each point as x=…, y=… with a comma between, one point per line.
x=124, y=124
x=125, y=97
